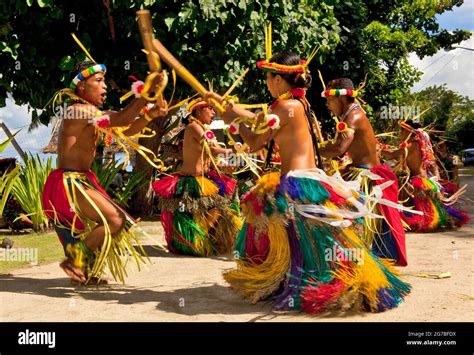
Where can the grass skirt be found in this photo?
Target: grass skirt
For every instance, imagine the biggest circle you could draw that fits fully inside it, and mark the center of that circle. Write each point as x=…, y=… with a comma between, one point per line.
x=425, y=197
x=295, y=248
x=385, y=236
x=199, y=214
x=60, y=205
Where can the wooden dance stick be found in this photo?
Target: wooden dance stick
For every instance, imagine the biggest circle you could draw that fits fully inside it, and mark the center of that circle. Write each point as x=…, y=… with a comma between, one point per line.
x=317, y=129
x=146, y=32
x=184, y=73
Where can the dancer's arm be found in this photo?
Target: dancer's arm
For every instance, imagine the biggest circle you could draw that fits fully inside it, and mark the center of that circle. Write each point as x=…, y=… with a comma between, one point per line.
x=253, y=140
x=392, y=154
x=140, y=123
x=216, y=150
x=339, y=147
x=126, y=116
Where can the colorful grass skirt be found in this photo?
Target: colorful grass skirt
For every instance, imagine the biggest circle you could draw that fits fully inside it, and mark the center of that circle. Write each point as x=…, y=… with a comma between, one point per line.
x=296, y=248
x=425, y=196
x=199, y=214
x=385, y=236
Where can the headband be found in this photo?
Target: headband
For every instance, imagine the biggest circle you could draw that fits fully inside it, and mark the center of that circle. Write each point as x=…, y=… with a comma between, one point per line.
x=94, y=69
x=340, y=92
x=277, y=68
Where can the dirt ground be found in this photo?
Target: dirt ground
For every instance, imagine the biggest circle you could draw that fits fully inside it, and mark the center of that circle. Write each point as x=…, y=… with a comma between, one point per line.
x=180, y=288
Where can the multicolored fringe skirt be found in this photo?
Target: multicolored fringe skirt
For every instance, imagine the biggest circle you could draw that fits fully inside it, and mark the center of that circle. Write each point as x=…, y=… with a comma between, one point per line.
x=425, y=195
x=60, y=203
x=199, y=214
x=386, y=236
x=299, y=247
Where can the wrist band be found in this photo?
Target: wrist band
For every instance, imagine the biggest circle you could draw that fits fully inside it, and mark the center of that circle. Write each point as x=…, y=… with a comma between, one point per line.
x=148, y=118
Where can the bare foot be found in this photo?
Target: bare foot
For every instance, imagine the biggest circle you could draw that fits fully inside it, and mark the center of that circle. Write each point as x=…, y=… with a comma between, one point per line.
x=93, y=281
x=75, y=273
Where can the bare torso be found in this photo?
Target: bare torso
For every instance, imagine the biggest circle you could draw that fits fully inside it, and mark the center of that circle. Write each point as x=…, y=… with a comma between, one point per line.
x=77, y=141
x=414, y=159
x=363, y=148
x=293, y=138
x=192, y=152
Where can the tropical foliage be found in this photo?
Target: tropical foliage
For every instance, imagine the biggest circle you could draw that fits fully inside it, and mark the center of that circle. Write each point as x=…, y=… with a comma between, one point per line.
x=28, y=189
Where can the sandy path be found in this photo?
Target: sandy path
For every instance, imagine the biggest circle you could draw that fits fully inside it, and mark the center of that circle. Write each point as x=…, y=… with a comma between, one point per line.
x=192, y=289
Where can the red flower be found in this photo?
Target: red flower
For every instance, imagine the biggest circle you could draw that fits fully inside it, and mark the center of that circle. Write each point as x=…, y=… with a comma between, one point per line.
x=209, y=135
x=271, y=122
x=341, y=126
x=232, y=129
x=103, y=122
x=404, y=145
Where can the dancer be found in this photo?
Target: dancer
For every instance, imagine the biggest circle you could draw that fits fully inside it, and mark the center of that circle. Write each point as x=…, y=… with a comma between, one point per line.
x=94, y=231
x=295, y=246
x=422, y=189
x=199, y=208
x=356, y=137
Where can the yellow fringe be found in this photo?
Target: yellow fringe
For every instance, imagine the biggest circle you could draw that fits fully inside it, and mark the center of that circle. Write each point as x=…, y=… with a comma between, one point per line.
x=112, y=253
x=267, y=183
x=259, y=280
x=208, y=187
x=366, y=276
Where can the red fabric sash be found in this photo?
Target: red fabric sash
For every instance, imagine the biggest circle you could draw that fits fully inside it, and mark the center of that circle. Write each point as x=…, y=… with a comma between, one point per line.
x=55, y=198
x=392, y=215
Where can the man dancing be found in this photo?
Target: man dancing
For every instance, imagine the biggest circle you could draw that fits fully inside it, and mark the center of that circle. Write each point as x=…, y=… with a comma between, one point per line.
x=356, y=137
x=94, y=230
x=199, y=212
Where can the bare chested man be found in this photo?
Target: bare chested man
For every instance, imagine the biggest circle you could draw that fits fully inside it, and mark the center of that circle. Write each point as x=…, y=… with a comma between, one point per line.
x=72, y=197
x=280, y=246
x=355, y=136
x=198, y=207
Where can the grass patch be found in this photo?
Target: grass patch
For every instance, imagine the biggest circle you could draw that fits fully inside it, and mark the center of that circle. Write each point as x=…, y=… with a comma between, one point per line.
x=48, y=247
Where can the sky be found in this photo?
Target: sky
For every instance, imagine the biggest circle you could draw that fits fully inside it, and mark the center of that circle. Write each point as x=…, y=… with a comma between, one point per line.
x=455, y=68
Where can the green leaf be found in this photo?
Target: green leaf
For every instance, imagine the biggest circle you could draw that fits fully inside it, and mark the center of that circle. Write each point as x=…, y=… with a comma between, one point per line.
x=45, y=3
x=169, y=22
x=4, y=144
x=66, y=63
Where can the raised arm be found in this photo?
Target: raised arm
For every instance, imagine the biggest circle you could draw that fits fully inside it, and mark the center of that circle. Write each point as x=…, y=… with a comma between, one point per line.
x=253, y=140
x=140, y=123
x=128, y=115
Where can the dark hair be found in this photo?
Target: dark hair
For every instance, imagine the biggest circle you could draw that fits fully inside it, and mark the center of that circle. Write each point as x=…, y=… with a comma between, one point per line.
x=411, y=123
x=80, y=67
x=294, y=79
